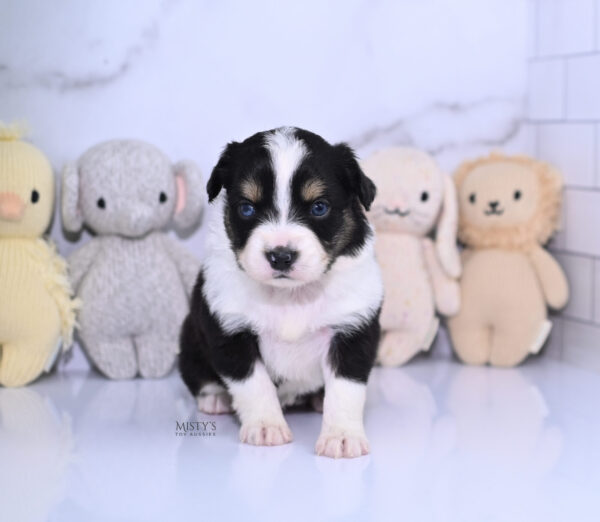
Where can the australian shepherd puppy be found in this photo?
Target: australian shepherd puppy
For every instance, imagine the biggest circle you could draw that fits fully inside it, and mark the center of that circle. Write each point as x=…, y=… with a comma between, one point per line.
x=287, y=303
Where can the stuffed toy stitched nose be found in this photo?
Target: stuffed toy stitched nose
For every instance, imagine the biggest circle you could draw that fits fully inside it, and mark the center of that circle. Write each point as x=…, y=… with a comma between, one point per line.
x=12, y=207
x=493, y=204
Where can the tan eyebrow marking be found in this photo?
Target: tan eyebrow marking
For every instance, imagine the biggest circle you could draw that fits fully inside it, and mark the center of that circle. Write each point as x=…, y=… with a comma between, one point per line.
x=251, y=190
x=312, y=189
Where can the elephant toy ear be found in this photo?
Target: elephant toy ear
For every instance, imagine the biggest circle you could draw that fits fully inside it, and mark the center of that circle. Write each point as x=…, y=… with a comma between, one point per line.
x=70, y=209
x=190, y=195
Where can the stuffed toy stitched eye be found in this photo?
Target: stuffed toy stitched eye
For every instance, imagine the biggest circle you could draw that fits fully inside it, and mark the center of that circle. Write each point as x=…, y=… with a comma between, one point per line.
x=246, y=210
x=517, y=195
x=424, y=196
x=101, y=203
x=472, y=197
x=162, y=198
x=35, y=196
x=319, y=208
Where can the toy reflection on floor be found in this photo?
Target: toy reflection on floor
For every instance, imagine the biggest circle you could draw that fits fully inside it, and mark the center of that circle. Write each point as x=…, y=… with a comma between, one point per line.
x=36, y=449
x=509, y=207
x=413, y=197
x=117, y=428
x=506, y=433
x=37, y=313
x=133, y=278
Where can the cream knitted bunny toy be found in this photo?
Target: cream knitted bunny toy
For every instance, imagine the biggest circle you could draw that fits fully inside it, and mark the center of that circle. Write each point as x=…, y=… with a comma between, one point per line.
x=36, y=309
x=134, y=279
x=413, y=194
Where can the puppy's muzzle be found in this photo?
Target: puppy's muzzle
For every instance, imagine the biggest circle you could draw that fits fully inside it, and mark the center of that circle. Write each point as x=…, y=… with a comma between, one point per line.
x=281, y=258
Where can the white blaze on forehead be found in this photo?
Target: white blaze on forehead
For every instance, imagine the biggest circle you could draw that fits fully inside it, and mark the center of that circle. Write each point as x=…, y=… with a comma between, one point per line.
x=286, y=152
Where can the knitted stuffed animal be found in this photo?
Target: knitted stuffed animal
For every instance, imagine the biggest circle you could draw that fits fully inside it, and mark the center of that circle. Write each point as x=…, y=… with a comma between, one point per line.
x=509, y=207
x=36, y=309
x=413, y=194
x=134, y=279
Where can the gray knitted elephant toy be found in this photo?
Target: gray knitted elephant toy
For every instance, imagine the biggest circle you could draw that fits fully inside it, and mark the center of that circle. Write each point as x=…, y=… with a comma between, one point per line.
x=133, y=278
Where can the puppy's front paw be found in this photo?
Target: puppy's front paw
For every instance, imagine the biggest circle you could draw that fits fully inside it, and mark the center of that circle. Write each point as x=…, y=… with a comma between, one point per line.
x=215, y=403
x=265, y=434
x=340, y=444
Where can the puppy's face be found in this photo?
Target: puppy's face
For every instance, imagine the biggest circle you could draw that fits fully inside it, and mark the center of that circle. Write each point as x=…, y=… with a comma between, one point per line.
x=293, y=204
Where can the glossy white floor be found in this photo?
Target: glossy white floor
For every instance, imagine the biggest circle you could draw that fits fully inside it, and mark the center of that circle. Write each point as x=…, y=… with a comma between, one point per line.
x=448, y=443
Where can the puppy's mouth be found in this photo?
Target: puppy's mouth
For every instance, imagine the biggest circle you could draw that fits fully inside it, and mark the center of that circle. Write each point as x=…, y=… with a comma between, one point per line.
x=494, y=212
x=396, y=211
x=281, y=276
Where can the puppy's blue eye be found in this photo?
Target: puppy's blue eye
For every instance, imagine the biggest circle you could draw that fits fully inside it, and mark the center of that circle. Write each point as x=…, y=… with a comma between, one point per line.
x=246, y=210
x=319, y=208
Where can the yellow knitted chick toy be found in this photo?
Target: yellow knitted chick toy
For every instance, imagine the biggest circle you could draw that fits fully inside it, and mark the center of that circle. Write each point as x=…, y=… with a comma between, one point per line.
x=36, y=309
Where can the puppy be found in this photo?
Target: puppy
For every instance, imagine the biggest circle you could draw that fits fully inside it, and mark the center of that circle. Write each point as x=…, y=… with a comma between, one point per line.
x=287, y=302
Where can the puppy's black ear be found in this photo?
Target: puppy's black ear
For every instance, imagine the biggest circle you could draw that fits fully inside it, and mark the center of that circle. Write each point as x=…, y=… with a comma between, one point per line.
x=362, y=185
x=219, y=175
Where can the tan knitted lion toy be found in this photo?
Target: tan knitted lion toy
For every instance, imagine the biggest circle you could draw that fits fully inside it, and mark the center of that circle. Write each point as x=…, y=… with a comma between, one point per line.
x=509, y=207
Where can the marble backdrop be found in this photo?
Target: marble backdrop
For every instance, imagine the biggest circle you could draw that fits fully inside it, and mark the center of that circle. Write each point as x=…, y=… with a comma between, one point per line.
x=188, y=75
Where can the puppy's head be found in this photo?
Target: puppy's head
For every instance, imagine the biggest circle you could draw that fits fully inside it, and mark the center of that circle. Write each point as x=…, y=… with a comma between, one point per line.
x=293, y=204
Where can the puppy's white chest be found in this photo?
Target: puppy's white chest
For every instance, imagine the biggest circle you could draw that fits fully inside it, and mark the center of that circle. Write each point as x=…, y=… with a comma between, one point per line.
x=290, y=326
x=297, y=357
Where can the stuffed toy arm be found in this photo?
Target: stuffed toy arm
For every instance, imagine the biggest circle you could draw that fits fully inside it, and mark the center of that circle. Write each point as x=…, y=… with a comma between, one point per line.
x=551, y=276
x=187, y=265
x=81, y=260
x=446, y=291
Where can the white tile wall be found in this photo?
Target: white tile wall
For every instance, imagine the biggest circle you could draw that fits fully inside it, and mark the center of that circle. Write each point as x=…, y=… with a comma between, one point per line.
x=546, y=89
x=597, y=131
x=596, y=286
x=554, y=345
x=564, y=107
x=571, y=148
x=532, y=37
x=582, y=213
x=597, y=24
x=581, y=344
x=583, y=87
x=565, y=26
x=580, y=271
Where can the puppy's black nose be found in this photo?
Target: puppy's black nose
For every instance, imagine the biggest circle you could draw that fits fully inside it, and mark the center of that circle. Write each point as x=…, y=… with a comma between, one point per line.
x=493, y=204
x=281, y=258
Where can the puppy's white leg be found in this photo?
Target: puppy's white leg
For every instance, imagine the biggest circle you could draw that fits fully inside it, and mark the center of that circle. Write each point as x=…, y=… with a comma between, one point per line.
x=255, y=401
x=342, y=432
x=214, y=399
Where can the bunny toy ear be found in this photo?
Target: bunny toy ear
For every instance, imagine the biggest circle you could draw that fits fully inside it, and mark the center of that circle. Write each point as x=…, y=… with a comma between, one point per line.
x=446, y=247
x=190, y=195
x=70, y=209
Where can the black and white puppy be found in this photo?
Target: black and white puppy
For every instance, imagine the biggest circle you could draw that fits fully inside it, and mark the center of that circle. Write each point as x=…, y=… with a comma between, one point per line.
x=287, y=302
